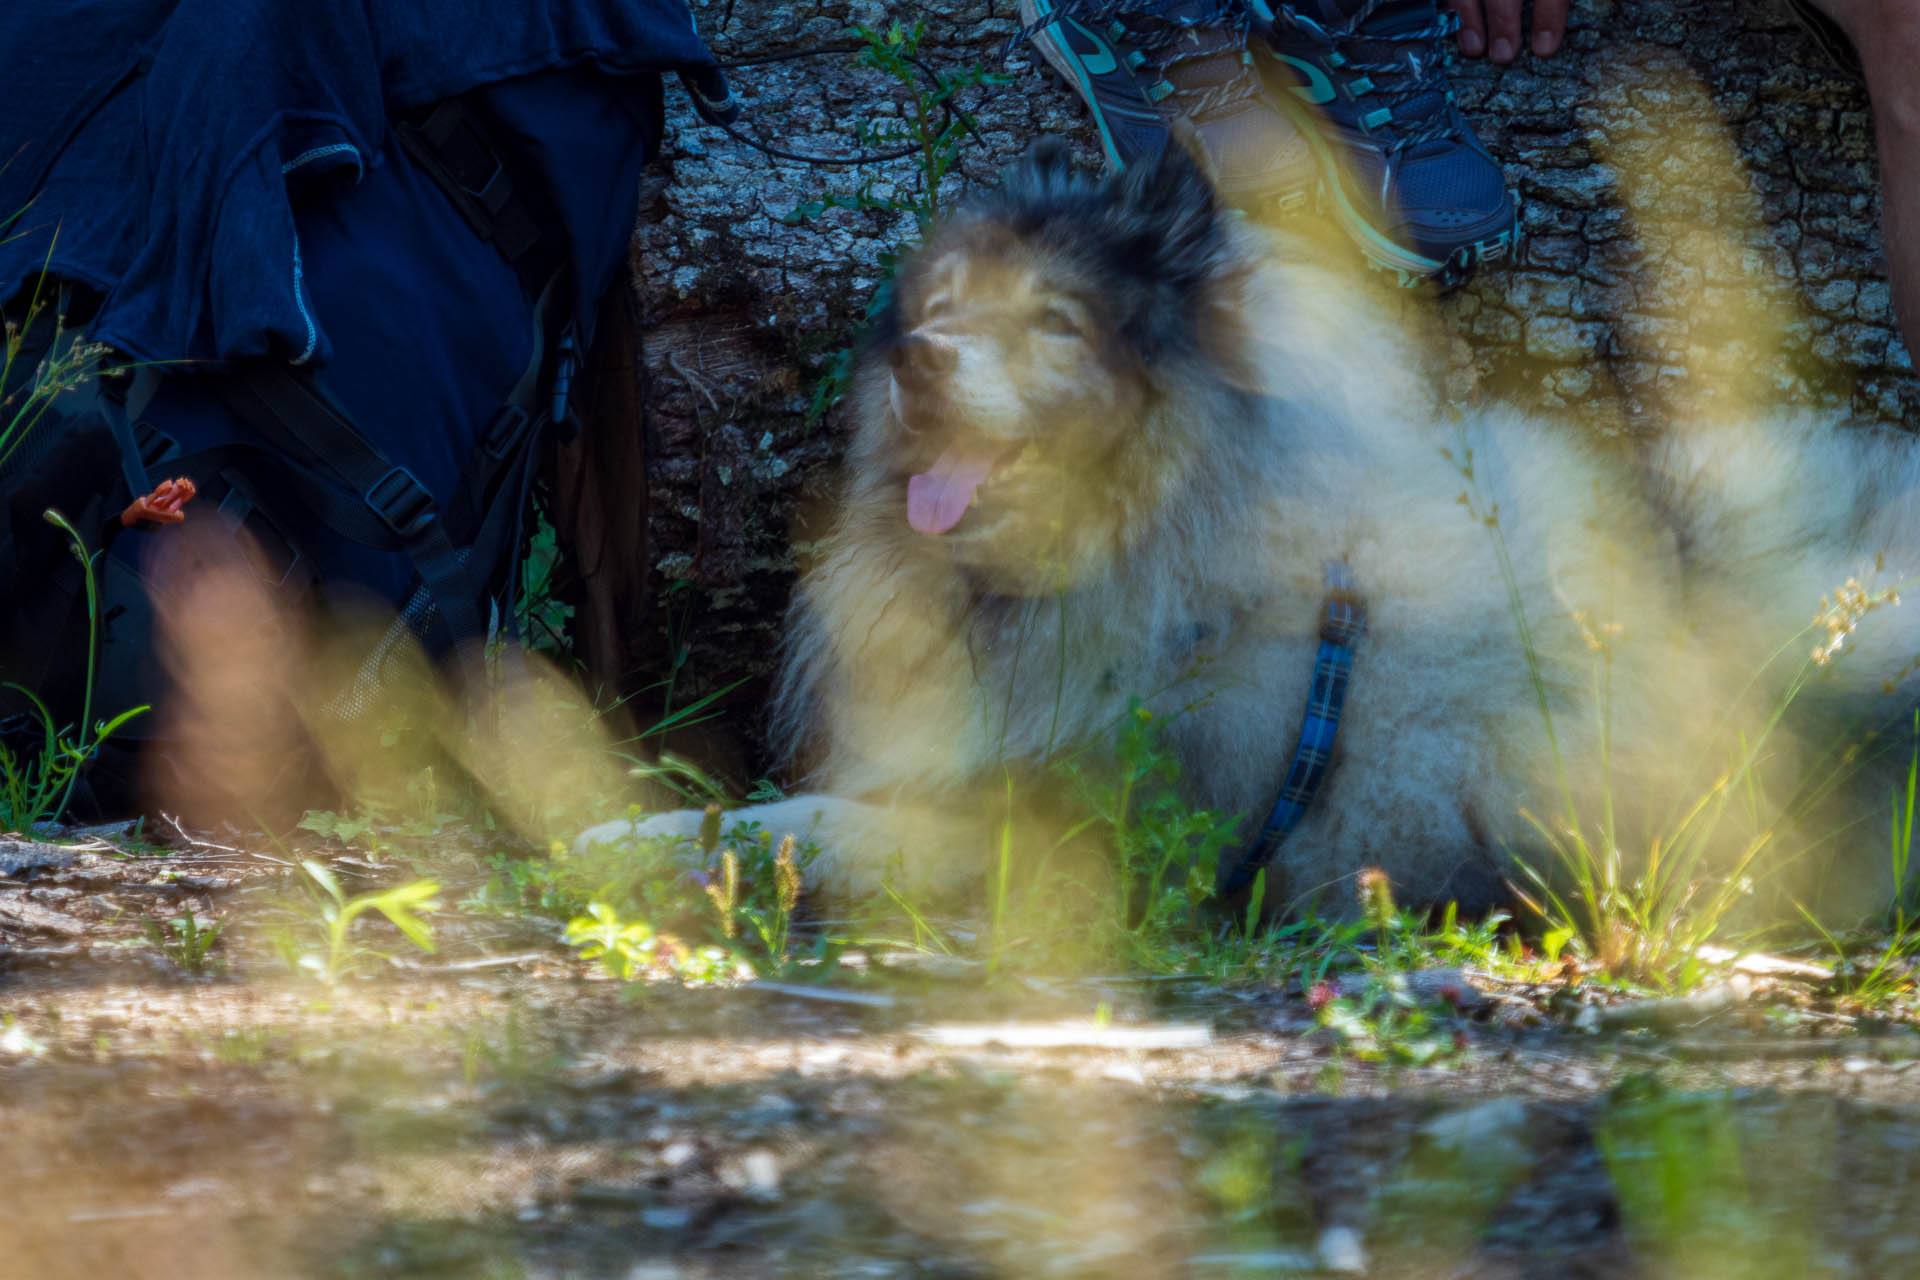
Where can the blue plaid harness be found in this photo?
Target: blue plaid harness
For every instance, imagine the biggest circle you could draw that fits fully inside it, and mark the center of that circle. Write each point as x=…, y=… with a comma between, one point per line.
x=1340, y=629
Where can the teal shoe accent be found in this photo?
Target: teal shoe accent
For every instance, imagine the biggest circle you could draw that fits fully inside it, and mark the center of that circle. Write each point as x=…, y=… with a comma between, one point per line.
x=1151, y=69
x=1405, y=176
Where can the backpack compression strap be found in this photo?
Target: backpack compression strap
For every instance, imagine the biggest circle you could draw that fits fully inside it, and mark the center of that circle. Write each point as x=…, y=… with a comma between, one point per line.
x=296, y=415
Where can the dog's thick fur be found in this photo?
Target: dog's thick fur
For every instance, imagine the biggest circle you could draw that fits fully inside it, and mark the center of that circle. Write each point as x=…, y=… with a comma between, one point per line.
x=1182, y=429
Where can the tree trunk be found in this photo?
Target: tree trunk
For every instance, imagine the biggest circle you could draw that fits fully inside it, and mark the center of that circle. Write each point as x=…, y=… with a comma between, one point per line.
x=1698, y=197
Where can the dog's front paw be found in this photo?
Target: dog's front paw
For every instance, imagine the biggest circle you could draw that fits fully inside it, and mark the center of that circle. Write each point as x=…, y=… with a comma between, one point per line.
x=680, y=824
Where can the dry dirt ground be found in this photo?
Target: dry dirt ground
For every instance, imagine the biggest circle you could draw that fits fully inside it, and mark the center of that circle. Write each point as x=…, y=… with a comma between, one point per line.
x=499, y=1109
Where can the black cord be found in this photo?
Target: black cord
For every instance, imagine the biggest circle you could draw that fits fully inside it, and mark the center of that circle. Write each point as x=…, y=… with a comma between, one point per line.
x=860, y=158
x=790, y=55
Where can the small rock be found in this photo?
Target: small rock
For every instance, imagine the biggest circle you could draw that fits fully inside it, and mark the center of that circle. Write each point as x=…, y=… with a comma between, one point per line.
x=665, y=1217
x=655, y=1271
x=1339, y=1250
x=760, y=1174
x=1478, y=1127
x=28, y=855
x=16, y=1040
x=28, y=915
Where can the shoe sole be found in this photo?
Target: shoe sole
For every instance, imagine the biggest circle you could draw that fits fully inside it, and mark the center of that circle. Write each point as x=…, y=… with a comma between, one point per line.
x=1410, y=266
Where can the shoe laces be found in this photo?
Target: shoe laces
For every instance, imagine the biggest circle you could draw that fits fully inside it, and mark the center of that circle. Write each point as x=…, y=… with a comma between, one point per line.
x=1171, y=37
x=1406, y=69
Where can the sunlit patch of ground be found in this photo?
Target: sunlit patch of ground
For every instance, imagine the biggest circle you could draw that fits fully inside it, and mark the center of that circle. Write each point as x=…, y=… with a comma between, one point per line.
x=502, y=1109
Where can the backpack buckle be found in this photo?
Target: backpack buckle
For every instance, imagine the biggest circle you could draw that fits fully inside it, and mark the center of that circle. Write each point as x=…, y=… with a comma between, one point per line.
x=402, y=502
x=563, y=372
x=504, y=433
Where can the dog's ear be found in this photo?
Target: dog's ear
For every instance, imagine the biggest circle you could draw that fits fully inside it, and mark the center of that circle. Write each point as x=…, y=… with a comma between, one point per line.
x=1046, y=169
x=1050, y=155
x=1178, y=212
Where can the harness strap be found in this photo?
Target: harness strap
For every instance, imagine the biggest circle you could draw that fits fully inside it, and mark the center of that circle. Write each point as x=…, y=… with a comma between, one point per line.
x=1341, y=627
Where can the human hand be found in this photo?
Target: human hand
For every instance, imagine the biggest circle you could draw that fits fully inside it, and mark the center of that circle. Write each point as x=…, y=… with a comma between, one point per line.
x=1492, y=27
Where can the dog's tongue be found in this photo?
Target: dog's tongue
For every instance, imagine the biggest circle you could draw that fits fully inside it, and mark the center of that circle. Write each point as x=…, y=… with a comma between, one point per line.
x=937, y=499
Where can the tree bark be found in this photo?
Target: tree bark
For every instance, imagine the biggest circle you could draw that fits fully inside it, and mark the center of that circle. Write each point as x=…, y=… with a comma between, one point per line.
x=1701, y=236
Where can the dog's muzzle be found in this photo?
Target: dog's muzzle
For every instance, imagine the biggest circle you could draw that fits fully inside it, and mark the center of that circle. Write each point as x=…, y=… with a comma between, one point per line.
x=920, y=362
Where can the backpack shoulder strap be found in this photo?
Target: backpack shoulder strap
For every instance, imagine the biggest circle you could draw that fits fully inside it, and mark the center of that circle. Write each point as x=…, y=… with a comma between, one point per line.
x=295, y=415
x=454, y=145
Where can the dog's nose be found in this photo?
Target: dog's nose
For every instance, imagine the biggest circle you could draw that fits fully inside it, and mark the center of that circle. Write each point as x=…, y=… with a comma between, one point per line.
x=920, y=359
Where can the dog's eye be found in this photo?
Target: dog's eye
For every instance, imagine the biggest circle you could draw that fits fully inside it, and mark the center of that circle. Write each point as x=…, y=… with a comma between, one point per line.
x=1063, y=322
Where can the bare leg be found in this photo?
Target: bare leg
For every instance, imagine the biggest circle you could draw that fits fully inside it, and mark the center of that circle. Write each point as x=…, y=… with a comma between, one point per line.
x=1886, y=33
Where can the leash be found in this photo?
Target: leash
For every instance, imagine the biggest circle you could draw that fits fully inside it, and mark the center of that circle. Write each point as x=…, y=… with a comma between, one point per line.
x=1342, y=623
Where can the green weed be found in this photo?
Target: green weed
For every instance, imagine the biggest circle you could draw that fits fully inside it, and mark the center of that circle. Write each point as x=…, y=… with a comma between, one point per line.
x=935, y=129
x=513, y=1061
x=1886, y=972
x=521, y=884
x=1643, y=915
x=771, y=919
x=66, y=365
x=348, y=830
x=239, y=1046
x=1129, y=880
x=1386, y=1022
x=647, y=918
x=543, y=615
x=36, y=788
x=187, y=942
x=329, y=951
x=634, y=949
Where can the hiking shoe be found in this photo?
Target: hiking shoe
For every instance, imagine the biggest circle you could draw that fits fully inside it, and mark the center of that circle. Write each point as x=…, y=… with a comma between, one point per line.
x=1152, y=70
x=1404, y=174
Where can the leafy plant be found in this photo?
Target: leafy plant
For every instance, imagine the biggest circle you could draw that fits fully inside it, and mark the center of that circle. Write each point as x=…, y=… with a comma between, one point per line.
x=345, y=828
x=1385, y=1022
x=36, y=788
x=333, y=912
x=543, y=615
x=186, y=941
x=1162, y=852
x=526, y=884
x=646, y=917
x=935, y=129
x=630, y=949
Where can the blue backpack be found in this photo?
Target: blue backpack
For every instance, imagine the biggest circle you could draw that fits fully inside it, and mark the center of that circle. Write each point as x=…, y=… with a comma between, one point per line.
x=346, y=263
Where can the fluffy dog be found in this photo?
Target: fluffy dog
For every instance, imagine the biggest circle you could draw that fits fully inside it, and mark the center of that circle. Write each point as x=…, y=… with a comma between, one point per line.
x=1108, y=441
